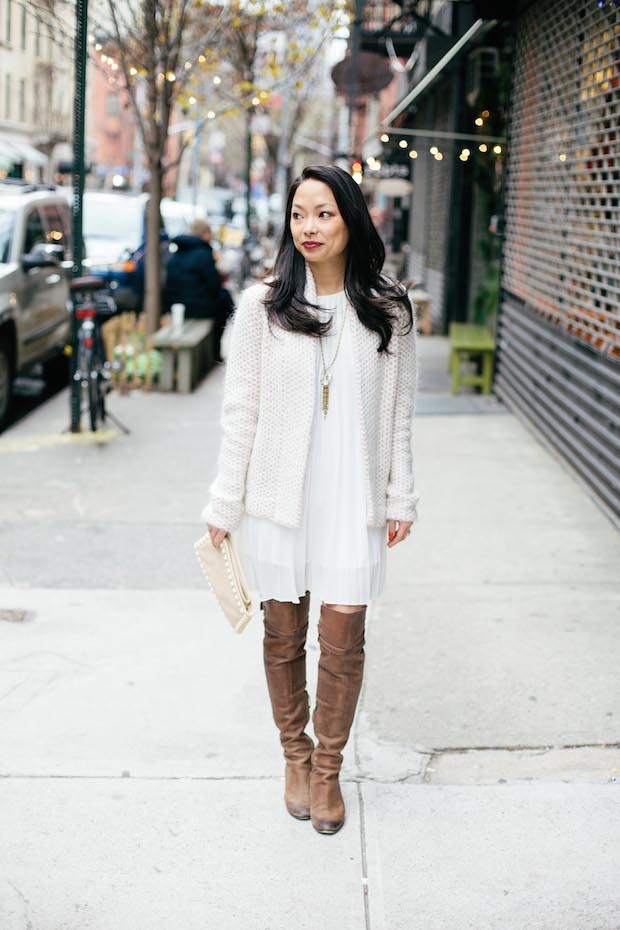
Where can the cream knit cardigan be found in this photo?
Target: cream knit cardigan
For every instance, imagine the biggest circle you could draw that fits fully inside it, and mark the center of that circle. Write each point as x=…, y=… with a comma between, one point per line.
x=269, y=393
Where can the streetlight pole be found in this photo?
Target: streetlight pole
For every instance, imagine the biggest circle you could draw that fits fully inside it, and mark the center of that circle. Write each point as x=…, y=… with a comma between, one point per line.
x=81, y=31
x=355, y=48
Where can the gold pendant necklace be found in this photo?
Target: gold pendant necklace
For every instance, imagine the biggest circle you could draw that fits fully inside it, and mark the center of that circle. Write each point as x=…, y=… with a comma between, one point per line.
x=326, y=377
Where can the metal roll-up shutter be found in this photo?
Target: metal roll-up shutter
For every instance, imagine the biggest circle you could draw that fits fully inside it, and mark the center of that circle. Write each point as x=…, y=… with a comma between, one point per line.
x=559, y=322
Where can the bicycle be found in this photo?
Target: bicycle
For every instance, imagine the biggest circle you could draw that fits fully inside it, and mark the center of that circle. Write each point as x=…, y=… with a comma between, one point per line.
x=91, y=381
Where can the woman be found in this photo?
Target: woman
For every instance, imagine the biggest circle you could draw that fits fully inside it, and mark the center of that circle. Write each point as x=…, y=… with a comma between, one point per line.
x=316, y=464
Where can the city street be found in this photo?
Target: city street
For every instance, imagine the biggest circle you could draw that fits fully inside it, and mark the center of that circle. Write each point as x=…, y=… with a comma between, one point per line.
x=142, y=777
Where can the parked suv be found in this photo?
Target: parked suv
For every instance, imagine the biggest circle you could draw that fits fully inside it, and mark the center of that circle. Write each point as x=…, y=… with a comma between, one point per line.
x=35, y=271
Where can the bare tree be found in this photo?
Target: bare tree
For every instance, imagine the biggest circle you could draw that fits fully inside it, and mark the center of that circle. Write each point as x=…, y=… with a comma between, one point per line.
x=266, y=47
x=155, y=45
x=166, y=50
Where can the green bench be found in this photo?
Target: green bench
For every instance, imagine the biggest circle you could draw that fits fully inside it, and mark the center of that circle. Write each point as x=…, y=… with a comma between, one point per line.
x=469, y=341
x=186, y=354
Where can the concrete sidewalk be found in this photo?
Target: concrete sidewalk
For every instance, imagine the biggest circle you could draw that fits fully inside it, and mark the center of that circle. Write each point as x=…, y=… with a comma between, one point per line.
x=142, y=776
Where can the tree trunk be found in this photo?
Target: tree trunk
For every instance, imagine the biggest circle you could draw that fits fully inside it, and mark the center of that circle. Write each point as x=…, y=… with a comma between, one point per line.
x=152, y=257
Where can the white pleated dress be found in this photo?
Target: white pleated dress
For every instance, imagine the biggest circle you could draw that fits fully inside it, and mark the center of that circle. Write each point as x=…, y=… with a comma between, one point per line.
x=333, y=553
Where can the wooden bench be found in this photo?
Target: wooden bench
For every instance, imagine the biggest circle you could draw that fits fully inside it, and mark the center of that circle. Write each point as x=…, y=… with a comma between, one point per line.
x=189, y=349
x=469, y=341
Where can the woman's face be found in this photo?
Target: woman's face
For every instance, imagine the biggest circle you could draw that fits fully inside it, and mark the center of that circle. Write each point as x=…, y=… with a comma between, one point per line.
x=319, y=231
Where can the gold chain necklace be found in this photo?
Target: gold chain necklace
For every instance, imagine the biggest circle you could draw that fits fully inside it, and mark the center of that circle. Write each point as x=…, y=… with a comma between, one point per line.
x=326, y=377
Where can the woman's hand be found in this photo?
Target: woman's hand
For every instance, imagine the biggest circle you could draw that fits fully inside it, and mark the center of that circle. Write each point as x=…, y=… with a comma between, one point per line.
x=217, y=535
x=397, y=535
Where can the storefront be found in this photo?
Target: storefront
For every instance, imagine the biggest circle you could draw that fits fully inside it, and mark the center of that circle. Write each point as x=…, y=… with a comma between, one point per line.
x=559, y=321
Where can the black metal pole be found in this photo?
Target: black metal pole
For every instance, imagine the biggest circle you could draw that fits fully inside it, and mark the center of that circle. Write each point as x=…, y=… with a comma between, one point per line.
x=81, y=32
x=355, y=47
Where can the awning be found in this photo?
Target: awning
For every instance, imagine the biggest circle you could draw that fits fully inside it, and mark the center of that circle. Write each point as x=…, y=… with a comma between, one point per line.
x=20, y=151
x=479, y=28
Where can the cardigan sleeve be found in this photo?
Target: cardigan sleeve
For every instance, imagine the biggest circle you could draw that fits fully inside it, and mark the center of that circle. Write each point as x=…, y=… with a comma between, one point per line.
x=402, y=498
x=239, y=414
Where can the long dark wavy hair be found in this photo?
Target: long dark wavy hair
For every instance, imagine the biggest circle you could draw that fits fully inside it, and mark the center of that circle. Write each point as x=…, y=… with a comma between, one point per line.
x=371, y=293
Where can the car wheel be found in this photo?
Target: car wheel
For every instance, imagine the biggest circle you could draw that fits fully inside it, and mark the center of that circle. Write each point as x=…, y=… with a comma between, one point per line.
x=6, y=377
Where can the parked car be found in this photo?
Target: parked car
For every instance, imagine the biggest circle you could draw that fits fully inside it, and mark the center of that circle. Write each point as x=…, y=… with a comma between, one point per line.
x=35, y=270
x=115, y=239
x=114, y=228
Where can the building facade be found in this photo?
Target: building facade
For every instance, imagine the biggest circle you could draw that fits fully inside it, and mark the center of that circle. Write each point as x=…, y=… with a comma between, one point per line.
x=511, y=121
x=559, y=320
x=36, y=87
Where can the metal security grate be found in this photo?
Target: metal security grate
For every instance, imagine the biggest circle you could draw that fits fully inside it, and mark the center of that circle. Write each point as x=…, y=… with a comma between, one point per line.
x=562, y=246
x=559, y=321
x=570, y=393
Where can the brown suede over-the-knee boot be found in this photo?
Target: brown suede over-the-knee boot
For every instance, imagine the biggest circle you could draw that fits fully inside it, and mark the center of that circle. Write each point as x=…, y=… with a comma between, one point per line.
x=286, y=625
x=341, y=669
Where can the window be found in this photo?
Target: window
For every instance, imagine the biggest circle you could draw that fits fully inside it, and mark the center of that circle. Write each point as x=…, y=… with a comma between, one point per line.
x=23, y=36
x=22, y=101
x=7, y=96
x=113, y=104
x=55, y=229
x=9, y=5
x=35, y=233
x=37, y=37
x=35, y=103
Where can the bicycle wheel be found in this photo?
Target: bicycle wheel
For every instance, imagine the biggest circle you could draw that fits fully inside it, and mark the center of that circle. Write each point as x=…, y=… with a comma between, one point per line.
x=94, y=399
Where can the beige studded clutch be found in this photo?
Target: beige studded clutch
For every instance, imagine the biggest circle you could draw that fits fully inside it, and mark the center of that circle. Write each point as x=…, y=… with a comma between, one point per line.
x=226, y=580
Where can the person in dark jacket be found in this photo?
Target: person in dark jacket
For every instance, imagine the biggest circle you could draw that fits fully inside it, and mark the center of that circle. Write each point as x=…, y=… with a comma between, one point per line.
x=193, y=280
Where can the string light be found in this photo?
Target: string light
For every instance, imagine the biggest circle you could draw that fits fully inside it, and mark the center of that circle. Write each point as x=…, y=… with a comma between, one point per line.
x=385, y=137
x=486, y=114
x=413, y=154
x=192, y=100
x=171, y=76
x=497, y=149
x=562, y=157
x=466, y=152
x=403, y=143
x=433, y=150
x=255, y=101
x=217, y=79
x=438, y=156
x=479, y=121
x=483, y=147
x=211, y=114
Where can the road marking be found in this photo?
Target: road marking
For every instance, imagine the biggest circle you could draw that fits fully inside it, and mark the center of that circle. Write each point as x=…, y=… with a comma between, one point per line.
x=35, y=443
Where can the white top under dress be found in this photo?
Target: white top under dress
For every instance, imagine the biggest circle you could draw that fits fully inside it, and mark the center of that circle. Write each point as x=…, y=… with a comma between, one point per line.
x=333, y=553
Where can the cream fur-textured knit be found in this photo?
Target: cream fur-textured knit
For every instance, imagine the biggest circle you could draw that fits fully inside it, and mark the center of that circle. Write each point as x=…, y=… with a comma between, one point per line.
x=269, y=395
